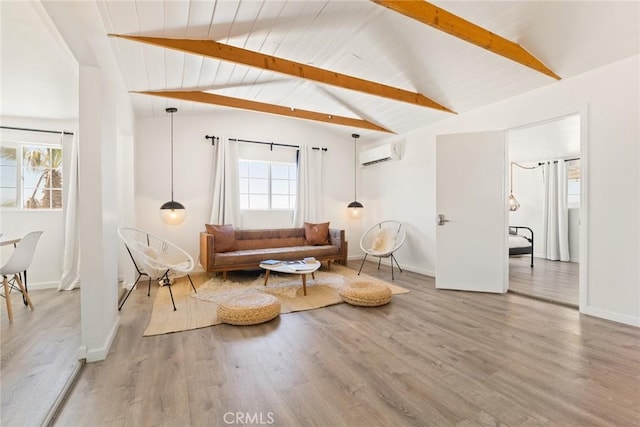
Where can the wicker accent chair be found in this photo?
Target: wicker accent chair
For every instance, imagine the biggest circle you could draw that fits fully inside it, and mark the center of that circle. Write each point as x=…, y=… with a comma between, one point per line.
x=155, y=258
x=381, y=241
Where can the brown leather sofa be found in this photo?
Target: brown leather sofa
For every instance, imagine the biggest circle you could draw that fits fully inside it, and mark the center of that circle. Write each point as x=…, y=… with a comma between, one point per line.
x=254, y=246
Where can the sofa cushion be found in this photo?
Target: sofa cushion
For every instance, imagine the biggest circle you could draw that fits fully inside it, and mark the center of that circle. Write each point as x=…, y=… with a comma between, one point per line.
x=316, y=234
x=255, y=256
x=224, y=237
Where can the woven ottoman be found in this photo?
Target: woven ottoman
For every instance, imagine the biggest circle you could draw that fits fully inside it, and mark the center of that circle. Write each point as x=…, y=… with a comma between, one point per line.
x=249, y=309
x=366, y=294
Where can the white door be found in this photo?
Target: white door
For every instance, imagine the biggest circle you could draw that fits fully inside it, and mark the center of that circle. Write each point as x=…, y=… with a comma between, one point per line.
x=471, y=212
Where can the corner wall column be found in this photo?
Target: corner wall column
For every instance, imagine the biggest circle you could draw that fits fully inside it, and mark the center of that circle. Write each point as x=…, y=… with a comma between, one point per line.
x=97, y=214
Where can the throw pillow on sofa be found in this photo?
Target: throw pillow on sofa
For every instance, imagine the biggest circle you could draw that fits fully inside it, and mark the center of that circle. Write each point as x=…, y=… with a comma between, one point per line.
x=316, y=234
x=224, y=237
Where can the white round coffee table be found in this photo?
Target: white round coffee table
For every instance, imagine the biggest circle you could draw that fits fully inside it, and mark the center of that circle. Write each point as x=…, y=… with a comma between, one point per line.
x=293, y=267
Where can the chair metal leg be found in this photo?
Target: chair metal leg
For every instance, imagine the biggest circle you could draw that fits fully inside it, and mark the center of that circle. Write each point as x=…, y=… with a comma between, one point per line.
x=363, y=260
x=194, y=288
x=379, y=261
x=393, y=259
x=171, y=294
x=167, y=281
x=26, y=289
x=396, y=261
x=140, y=274
x=129, y=292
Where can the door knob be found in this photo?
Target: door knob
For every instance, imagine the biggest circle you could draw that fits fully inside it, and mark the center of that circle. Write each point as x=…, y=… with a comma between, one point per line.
x=441, y=219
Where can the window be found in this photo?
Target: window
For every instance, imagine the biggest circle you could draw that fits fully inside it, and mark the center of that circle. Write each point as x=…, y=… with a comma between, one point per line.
x=267, y=185
x=573, y=183
x=30, y=176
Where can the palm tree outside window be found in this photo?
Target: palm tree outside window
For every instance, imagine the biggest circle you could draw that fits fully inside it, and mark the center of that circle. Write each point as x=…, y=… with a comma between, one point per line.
x=31, y=176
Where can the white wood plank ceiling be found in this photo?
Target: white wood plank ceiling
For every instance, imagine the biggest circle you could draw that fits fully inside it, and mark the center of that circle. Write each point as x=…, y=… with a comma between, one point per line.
x=365, y=40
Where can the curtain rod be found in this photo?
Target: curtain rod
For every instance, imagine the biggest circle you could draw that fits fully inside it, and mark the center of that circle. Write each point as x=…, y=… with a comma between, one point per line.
x=271, y=144
x=556, y=161
x=37, y=130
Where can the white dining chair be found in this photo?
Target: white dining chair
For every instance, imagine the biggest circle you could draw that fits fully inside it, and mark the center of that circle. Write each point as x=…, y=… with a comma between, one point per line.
x=19, y=262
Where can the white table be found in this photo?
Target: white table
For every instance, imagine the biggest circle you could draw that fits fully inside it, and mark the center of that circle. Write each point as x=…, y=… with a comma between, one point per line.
x=9, y=242
x=299, y=267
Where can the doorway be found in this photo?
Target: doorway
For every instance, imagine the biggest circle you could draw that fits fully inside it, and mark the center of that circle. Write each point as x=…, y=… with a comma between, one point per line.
x=547, y=180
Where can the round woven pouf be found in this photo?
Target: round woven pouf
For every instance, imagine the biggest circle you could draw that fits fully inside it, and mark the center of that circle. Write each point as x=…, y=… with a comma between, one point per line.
x=249, y=309
x=367, y=294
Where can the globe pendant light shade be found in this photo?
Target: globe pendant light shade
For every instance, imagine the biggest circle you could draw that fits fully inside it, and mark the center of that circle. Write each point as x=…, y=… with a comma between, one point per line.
x=355, y=206
x=172, y=212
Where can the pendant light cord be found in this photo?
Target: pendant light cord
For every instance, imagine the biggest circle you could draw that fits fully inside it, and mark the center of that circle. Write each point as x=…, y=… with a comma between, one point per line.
x=172, y=156
x=520, y=166
x=355, y=162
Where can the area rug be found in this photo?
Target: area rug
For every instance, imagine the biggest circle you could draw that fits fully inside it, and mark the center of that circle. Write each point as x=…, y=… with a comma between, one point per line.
x=198, y=310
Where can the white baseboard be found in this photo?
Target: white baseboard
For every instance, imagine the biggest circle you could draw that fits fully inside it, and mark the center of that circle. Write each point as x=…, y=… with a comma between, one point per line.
x=42, y=285
x=126, y=286
x=100, y=353
x=410, y=268
x=608, y=315
x=541, y=256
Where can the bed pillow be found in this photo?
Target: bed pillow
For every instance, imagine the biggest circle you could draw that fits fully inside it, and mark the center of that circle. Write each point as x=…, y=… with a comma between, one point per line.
x=224, y=238
x=316, y=234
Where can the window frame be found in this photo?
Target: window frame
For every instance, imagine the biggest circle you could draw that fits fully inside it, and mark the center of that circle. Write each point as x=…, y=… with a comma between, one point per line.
x=270, y=180
x=574, y=199
x=22, y=193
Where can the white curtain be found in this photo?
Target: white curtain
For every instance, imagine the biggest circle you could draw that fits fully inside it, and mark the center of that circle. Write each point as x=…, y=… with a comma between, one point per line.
x=309, y=191
x=71, y=256
x=225, y=207
x=556, y=211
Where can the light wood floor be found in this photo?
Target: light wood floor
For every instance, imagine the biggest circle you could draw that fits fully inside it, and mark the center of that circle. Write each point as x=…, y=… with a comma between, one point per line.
x=430, y=357
x=548, y=280
x=39, y=354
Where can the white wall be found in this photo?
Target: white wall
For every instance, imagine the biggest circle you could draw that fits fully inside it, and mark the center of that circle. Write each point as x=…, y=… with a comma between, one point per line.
x=46, y=268
x=193, y=159
x=529, y=191
x=405, y=190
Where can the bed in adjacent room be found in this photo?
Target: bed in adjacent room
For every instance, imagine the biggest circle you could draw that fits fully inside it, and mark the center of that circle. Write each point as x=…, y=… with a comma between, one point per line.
x=521, y=241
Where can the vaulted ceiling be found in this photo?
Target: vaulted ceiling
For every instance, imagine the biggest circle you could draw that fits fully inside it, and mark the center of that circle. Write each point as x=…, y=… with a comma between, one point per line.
x=430, y=57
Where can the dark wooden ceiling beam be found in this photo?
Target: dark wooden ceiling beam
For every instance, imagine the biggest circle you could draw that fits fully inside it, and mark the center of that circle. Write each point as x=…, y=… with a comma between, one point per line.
x=442, y=20
x=227, y=101
x=213, y=49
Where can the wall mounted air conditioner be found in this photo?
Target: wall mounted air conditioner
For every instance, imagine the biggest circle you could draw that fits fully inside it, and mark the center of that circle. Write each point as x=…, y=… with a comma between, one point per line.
x=382, y=153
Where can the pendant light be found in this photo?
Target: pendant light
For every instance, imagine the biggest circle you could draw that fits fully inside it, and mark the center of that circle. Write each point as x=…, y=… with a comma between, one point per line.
x=513, y=203
x=355, y=206
x=172, y=213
